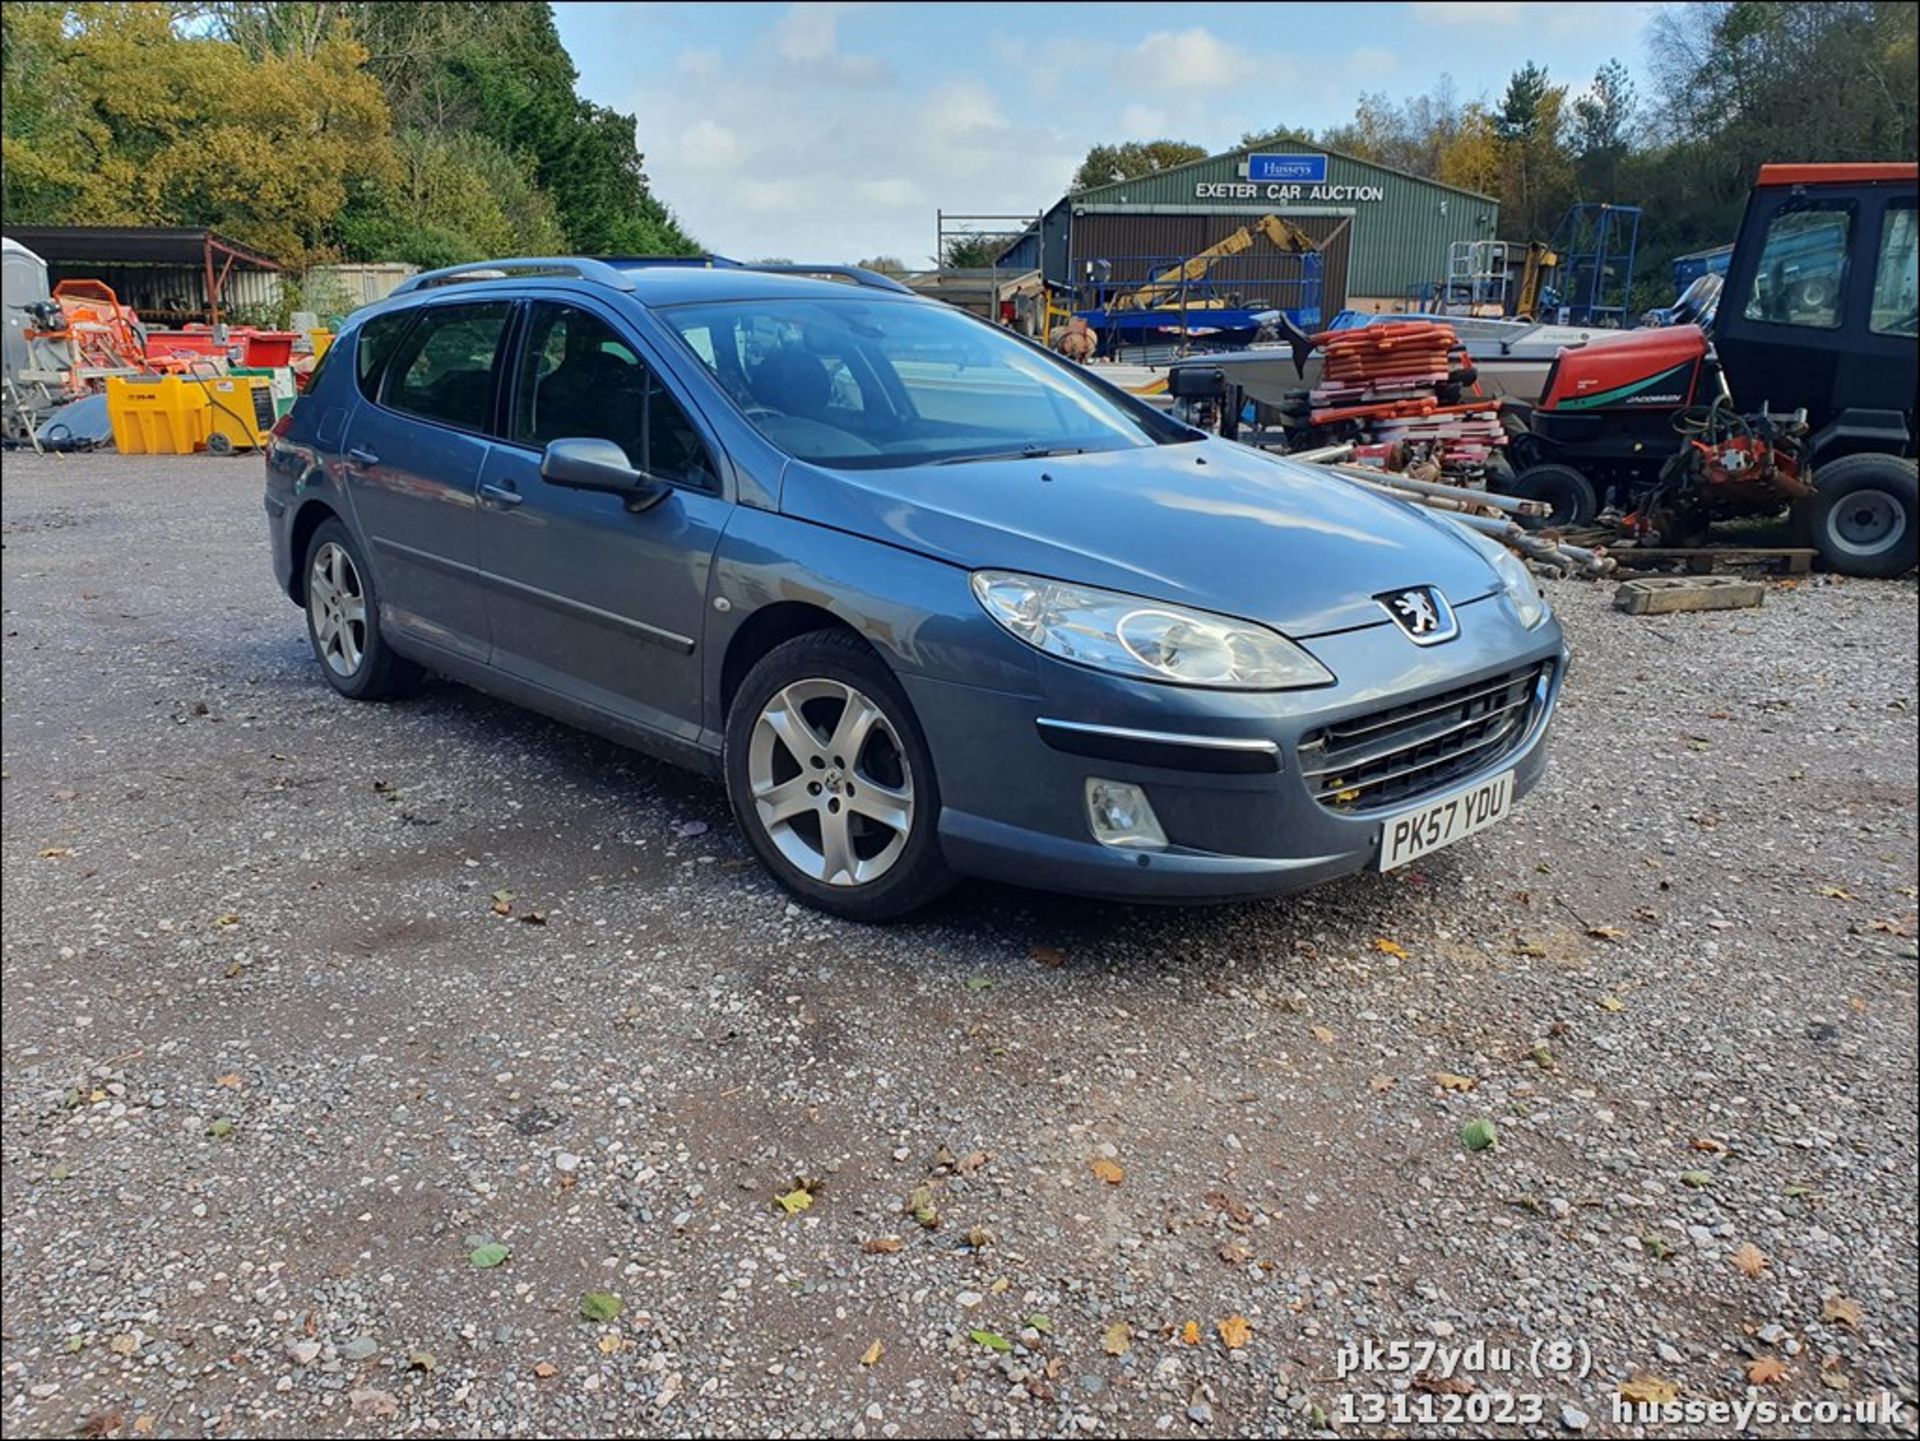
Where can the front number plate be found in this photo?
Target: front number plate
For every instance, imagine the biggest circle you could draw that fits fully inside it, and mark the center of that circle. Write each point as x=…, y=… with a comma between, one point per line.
x=1441, y=824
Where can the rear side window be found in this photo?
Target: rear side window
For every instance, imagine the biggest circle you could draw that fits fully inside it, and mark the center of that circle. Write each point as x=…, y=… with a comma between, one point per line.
x=1802, y=276
x=443, y=369
x=375, y=347
x=1895, y=308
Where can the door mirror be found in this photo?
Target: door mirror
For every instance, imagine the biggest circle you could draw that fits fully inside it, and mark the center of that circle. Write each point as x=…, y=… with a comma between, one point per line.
x=591, y=463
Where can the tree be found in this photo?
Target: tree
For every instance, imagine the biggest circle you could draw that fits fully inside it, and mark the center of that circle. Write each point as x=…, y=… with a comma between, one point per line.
x=884, y=264
x=1519, y=116
x=973, y=252
x=1131, y=159
x=1602, y=121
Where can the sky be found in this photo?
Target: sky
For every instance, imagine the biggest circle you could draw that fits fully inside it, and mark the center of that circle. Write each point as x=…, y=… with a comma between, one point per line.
x=833, y=132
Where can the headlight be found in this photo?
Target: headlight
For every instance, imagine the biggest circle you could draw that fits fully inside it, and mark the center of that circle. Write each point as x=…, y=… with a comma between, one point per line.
x=1530, y=605
x=1146, y=639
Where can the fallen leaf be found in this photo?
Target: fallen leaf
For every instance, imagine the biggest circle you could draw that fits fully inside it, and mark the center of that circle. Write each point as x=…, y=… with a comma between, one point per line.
x=1190, y=1334
x=1001, y=1285
x=920, y=1206
x=1380, y=1084
x=1041, y=1322
x=600, y=1306
x=533, y=918
x=102, y=1423
x=980, y=983
x=992, y=1340
x=1606, y=933
x=1442, y=1385
x=503, y=903
x=1524, y=947
x=795, y=1201
x=882, y=1245
x=232, y=1078
x=1698, y=1180
x=383, y=1405
x=609, y=1343
x=221, y=1128
x=1117, y=1339
x=1447, y=1081
x=1649, y=1390
x=1709, y=1145
x=1479, y=1135
x=1390, y=948
x=1323, y=1035
x=1766, y=1371
x=229, y=919
x=544, y=1369
x=1750, y=1260
x=53, y=853
x=125, y=1344
x=1842, y=1310
x=1051, y=957
x=485, y=1258
x=1612, y=1003
x=1109, y=1171
x=1837, y=893
x=871, y=1356
x=421, y=1361
x=1236, y=1331
x=1837, y=1380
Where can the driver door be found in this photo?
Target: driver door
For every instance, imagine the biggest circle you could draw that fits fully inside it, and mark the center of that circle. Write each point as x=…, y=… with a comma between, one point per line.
x=586, y=598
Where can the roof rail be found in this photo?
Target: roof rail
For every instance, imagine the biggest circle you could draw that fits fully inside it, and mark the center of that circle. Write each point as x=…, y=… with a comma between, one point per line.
x=857, y=274
x=597, y=271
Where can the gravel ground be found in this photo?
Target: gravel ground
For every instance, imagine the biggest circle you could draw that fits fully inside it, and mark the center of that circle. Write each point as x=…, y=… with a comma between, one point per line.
x=277, y=1073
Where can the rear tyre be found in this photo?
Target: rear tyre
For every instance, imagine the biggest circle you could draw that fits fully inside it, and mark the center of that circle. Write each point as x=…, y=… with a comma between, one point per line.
x=343, y=621
x=1561, y=486
x=830, y=777
x=1861, y=517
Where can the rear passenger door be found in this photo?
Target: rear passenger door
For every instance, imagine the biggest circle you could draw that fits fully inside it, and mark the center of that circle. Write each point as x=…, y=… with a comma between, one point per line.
x=586, y=598
x=413, y=461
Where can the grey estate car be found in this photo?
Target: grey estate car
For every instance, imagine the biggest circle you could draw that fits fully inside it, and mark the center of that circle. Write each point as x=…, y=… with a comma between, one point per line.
x=931, y=601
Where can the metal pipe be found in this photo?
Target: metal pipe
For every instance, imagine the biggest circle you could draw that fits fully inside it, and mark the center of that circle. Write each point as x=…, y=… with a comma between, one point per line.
x=1512, y=505
x=1324, y=455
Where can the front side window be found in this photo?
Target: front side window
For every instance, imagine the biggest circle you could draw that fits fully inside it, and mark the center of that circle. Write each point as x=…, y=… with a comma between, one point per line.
x=443, y=370
x=579, y=380
x=1895, y=309
x=1802, y=275
x=864, y=383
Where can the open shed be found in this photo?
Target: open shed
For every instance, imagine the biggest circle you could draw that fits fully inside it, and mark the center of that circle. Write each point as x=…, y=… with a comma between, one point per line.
x=169, y=274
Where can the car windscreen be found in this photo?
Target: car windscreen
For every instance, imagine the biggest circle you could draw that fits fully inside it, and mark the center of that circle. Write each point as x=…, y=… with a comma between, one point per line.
x=861, y=383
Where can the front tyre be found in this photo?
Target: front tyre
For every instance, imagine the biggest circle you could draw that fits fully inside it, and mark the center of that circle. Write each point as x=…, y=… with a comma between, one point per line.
x=830, y=778
x=1861, y=516
x=343, y=620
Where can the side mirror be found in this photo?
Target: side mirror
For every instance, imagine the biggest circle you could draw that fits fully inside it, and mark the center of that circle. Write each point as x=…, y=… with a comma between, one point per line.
x=591, y=463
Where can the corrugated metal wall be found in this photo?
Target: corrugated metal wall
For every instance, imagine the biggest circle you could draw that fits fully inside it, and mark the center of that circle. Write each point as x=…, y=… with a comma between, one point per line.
x=1398, y=241
x=169, y=294
x=353, y=285
x=1139, y=245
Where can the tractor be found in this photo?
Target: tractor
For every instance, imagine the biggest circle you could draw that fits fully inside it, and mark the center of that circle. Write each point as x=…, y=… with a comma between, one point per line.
x=1803, y=399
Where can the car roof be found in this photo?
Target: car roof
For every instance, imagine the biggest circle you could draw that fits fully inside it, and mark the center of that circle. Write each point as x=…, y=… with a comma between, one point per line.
x=649, y=281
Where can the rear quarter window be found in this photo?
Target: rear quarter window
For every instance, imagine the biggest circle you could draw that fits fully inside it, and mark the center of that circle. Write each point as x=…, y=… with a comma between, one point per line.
x=374, y=346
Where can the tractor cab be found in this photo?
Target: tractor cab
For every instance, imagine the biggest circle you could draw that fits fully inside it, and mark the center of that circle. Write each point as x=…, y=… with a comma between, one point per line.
x=1819, y=309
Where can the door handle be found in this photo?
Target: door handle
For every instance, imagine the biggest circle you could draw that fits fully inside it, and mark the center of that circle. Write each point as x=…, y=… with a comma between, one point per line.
x=500, y=494
x=361, y=456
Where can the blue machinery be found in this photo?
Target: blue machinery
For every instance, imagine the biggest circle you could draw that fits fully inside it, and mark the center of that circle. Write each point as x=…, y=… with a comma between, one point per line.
x=1225, y=307
x=1594, y=282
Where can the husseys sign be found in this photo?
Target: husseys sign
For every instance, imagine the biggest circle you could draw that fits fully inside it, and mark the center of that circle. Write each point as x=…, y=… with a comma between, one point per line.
x=1294, y=178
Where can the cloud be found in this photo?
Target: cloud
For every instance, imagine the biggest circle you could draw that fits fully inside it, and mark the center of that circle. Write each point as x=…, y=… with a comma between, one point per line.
x=697, y=62
x=809, y=32
x=1470, y=12
x=1193, y=59
x=1372, y=63
x=1143, y=122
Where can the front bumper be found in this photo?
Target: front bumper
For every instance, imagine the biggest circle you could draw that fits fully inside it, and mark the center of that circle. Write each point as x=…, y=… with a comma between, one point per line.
x=1014, y=808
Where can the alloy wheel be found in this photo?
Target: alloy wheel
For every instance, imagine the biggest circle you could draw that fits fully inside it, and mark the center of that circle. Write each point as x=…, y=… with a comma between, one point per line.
x=830, y=782
x=337, y=604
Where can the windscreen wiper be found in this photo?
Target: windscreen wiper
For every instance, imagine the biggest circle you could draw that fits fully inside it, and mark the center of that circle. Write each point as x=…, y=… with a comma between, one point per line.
x=1026, y=452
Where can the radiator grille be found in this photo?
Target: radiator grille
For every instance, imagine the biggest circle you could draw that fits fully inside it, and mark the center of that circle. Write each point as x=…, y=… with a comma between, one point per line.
x=1399, y=754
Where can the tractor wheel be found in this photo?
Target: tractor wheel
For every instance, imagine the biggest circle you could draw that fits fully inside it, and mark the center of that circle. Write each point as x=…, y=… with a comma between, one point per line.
x=1861, y=516
x=1561, y=486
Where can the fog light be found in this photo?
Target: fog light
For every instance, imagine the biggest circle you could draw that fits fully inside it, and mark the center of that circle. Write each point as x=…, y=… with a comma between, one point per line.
x=1121, y=816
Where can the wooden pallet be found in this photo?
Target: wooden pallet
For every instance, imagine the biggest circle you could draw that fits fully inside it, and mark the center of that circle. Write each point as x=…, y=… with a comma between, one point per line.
x=1710, y=559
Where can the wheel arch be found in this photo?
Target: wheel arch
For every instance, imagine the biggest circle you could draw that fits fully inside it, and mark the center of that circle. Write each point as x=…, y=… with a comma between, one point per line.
x=312, y=514
x=766, y=628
